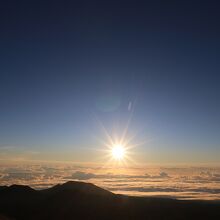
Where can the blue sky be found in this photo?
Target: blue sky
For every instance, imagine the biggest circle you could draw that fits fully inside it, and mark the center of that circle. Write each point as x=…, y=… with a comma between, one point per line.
x=64, y=65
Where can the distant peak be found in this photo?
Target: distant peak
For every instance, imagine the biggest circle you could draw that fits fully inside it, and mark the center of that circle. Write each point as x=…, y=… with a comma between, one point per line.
x=82, y=187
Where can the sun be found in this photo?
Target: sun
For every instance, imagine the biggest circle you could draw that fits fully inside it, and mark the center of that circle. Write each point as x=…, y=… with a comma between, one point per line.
x=118, y=152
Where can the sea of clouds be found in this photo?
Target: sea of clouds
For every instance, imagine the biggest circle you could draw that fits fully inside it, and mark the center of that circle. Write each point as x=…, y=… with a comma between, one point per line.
x=164, y=181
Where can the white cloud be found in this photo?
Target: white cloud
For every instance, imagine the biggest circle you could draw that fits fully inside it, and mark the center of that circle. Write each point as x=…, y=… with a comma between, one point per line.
x=193, y=183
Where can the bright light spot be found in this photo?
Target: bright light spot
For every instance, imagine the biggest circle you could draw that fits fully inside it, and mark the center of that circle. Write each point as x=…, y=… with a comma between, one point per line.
x=118, y=152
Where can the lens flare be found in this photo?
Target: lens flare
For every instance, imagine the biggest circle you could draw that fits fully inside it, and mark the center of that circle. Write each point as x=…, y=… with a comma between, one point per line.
x=118, y=144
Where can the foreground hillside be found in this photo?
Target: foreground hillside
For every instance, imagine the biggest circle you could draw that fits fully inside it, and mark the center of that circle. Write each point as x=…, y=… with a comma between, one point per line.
x=79, y=200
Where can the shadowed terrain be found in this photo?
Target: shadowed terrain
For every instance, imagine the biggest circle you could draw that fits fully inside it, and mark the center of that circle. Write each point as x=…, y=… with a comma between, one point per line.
x=79, y=200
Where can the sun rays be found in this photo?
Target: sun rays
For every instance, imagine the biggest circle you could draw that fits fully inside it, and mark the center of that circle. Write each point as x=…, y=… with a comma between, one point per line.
x=118, y=150
x=117, y=143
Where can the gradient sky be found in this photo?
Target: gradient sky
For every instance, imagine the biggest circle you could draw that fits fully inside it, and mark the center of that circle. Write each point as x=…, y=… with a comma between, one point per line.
x=65, y=66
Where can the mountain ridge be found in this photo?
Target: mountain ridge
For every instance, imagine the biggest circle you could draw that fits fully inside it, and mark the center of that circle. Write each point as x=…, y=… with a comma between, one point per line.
x=81, y=200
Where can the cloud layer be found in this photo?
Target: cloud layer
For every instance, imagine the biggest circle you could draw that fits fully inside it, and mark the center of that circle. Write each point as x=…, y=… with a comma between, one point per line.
x=182, y=182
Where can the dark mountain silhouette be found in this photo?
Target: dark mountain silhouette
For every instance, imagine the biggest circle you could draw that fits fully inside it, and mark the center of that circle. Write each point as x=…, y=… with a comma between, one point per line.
x=78, y=187
x=79, y=200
